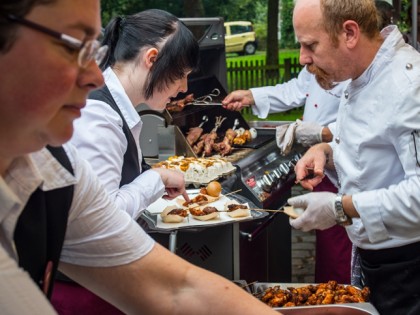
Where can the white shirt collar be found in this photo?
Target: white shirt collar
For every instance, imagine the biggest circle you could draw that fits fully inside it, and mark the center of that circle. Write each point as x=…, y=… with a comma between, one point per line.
x=121, y=98
x=392, y=37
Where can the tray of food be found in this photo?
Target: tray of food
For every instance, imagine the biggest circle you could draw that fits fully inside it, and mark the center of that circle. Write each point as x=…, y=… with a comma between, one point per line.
x=322, y=298
x=208, y=206
x=198, y=171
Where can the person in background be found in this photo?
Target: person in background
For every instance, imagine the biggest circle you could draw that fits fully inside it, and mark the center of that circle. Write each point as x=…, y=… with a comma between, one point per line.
x=409, y=35
x=386, y=13
x=149, y=58
x=333, y=247
x=375, y=152
x=55, y=212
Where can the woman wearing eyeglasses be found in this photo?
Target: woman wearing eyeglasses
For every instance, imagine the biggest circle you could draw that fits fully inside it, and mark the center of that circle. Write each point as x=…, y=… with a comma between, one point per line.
x=149, y=57
x=53, y=209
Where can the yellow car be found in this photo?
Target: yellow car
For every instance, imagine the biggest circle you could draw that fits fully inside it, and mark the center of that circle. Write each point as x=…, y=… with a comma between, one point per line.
x=240, y=38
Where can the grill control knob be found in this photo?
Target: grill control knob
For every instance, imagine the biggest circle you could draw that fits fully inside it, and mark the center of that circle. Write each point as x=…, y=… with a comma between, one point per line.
x=267, y=183
x=284, y=169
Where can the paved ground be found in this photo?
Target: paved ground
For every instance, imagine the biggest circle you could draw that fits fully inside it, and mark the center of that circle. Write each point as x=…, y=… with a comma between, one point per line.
x=303, y=251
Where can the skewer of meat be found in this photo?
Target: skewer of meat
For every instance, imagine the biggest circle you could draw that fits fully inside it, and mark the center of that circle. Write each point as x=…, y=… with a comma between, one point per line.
x=225, y=147
x=194, y=134
x=208, y=143
x=178, y=105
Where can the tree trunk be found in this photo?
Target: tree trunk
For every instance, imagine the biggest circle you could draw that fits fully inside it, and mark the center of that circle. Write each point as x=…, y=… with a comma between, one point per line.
x=272, y=57
x=194, y=8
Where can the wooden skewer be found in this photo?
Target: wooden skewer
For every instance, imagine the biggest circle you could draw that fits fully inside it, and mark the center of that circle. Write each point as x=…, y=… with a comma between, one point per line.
x=232, y=192
x=263, y=210
x=267, y=210
x=286, y=210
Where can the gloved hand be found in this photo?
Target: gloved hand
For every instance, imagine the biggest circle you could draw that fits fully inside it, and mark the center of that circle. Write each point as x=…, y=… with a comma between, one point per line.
x=319, y=211
x=308, y=133
x=285, y=136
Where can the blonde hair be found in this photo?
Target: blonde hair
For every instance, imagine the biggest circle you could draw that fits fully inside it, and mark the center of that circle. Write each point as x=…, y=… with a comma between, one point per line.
x=336, y=12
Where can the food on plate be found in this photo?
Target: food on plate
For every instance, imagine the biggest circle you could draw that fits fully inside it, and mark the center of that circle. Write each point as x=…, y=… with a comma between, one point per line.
x=201, y=170
x=199, y=200
x=320, y=294
x=173, y=214
x=204, y=213
x=212, y=189
x=237, y=210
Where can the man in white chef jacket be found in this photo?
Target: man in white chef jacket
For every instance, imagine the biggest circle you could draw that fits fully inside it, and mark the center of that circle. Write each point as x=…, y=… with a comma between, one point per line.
x=375, y=151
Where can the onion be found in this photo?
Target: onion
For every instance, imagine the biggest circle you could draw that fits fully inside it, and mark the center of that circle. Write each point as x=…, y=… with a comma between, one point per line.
x=214, y=189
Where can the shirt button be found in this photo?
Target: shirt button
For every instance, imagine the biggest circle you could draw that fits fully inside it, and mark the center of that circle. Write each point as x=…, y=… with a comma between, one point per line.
x=346, y=94
x=409, y=66
x=337, y=140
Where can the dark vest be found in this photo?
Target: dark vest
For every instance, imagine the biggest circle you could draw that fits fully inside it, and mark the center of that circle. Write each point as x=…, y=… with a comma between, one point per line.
x=41, y=227
x=131, y=168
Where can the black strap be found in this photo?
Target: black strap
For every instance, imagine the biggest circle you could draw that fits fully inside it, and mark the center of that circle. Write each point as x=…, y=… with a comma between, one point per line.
x=131, y=168
x=41, y=228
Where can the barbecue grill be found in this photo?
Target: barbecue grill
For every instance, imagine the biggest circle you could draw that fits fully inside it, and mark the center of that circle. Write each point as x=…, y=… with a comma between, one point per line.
x=253, y=250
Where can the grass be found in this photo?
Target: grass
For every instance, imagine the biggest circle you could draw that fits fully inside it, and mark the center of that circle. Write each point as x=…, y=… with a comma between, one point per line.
x=291, y=115
x=260, y=55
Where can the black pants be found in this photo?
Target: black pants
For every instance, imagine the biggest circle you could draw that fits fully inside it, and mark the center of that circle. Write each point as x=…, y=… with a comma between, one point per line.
x=393, y=276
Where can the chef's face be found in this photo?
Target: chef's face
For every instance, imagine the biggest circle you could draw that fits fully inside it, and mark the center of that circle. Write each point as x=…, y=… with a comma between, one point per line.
x=323, y=57
x=43, y=88
x=160, y=98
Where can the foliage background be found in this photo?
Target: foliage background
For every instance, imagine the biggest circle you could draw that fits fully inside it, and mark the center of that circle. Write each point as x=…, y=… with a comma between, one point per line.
x=230, y=10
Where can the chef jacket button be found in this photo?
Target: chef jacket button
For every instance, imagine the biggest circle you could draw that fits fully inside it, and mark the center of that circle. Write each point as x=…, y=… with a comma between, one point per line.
x=346, y=94
x=337, y=140
x=409, y=66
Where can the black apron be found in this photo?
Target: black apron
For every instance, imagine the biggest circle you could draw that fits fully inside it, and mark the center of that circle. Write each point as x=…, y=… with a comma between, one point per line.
x=41, y=228
x=393, y=276
x=131, y=168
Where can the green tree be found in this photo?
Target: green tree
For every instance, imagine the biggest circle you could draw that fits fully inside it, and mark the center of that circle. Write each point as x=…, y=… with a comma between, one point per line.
x=230, y=10
x=287, y=32
x=272, y=56
x=194, y=8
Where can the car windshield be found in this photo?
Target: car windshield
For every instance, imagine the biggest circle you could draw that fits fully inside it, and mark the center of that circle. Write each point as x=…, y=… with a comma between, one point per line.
x=238, y=29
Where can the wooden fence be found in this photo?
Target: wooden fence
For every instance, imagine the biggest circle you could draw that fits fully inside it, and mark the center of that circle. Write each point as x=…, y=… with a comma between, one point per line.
x=242, y=75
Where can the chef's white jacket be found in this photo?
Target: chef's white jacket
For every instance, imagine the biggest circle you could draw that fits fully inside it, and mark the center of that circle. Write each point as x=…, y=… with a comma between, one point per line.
x=377, y=147
x=321, y=105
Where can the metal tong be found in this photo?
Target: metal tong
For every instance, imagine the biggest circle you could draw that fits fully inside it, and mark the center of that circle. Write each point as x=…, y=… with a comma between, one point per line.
x=207, y=99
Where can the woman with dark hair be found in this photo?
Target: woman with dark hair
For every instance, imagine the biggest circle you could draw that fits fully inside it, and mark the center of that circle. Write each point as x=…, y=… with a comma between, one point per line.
x=148, y=61
x=149, y=58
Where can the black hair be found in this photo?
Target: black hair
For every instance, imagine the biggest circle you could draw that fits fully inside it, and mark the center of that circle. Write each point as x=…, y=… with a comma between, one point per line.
x=385, y=12
x=178, y=49
x=17, y=8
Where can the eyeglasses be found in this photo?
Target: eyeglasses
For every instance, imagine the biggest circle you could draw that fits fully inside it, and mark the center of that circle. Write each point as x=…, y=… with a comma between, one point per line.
x=88, y=50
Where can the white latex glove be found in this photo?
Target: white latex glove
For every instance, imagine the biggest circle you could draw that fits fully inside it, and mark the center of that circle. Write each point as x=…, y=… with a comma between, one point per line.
x=285, y=136
x=308, y=133
x=319, y=211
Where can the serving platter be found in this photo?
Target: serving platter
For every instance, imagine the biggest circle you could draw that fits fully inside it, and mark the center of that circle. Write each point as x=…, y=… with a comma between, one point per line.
x=153, y=218
x=330, y=309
